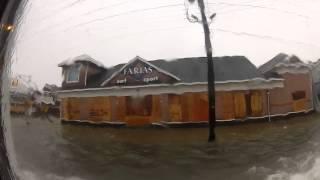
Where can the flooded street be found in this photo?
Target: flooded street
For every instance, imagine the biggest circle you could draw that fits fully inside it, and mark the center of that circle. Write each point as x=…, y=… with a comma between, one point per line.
x=279, y=150
x=160, y=63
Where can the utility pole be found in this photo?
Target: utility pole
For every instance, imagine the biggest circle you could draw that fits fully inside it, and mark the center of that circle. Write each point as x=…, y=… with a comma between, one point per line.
x=211, y=77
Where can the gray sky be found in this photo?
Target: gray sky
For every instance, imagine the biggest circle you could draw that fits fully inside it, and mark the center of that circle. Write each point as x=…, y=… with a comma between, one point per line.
x=114, y=31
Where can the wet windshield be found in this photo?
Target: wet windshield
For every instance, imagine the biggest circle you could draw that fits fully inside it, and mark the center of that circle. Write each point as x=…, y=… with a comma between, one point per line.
x=174, y=89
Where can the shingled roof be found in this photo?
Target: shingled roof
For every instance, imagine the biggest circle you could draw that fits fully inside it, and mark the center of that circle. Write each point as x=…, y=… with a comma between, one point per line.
x=194, y=69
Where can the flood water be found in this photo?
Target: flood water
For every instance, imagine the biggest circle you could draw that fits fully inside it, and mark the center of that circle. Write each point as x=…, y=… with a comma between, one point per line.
x=285, y=149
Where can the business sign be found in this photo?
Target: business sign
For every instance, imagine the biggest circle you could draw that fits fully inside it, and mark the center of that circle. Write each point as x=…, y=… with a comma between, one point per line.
x=140, y=72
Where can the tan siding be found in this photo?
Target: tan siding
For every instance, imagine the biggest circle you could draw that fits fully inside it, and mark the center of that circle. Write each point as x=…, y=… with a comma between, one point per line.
x=74, y=108
x=256, y=103
x=199, y=107
x=281, y=100
x=240, y=110
x=164, y=107
x=228, y=107
x=156, y=108
x=120, y=108
x=175, y=111
x=300, y=105
x=99, y=109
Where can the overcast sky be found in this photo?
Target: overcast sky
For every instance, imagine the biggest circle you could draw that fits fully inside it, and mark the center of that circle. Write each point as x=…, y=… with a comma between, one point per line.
x=114, y=31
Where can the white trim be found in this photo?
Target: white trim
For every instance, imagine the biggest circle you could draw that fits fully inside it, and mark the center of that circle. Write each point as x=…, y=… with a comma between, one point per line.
x=162, y=123
x=283, y=70
x=178, y=88
x=243, y=120
x=93, y=122
x=144, y=61
x=297, y=68
x=293, y=65
x=262, y=80
x=285, y=114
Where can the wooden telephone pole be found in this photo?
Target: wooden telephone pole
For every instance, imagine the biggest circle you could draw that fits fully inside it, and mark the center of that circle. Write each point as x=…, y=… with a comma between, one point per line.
x=211, y=77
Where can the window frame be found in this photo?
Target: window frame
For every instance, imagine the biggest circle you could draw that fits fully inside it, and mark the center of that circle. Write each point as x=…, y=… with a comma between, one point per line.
x=69, y=71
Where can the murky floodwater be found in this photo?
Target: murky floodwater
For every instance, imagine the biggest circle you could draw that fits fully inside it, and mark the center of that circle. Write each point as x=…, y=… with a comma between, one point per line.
x=286, y=149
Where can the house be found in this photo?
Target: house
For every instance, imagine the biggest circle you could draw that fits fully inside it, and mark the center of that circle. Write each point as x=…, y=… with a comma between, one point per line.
x=22, y=93
x=143, y=92
x=297, y=95
x=48, y=101
x=315, y=69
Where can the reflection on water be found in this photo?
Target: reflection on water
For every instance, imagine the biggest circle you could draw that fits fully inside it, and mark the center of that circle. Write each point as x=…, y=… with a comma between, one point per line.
x=278, y=150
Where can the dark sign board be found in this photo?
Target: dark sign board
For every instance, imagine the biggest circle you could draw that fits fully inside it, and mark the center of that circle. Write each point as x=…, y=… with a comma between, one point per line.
x=140, y=72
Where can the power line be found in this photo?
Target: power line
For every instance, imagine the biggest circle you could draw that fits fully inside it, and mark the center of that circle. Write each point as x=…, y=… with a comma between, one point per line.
x=226, y=6
x=166, y=18
x=76, y=16
x=45, y=7
x=238, y=33
x=263, y=7
x=144, y=32
x=122, y=14
x=108, y=17
x=237, y=8
x=88, y=12
x=266, y=37
x=52, y=26
x=221, y=30
x=106, y=7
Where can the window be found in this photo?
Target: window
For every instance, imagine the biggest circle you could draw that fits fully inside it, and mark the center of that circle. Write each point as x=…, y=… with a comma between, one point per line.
x=298, y=95
x=73, y=75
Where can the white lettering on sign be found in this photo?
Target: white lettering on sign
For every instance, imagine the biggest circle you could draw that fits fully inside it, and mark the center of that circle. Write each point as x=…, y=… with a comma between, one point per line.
x=121, y=81
x=137, y=70
x=150, y=79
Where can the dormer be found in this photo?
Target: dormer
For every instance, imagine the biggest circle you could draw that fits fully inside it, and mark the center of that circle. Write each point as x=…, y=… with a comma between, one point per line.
x=78, y=71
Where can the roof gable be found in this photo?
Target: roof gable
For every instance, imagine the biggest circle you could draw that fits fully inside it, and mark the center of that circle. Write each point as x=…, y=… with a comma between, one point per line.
x=271, y=63
x=140, y=72
x=280, y=59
